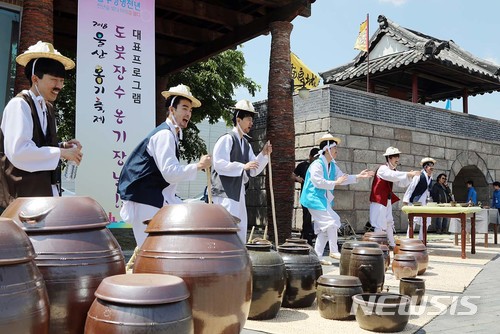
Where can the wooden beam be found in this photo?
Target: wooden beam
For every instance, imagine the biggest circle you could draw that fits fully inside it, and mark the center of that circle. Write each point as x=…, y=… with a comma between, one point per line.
x=241, y=35
x=206, y=12
x=187, y=32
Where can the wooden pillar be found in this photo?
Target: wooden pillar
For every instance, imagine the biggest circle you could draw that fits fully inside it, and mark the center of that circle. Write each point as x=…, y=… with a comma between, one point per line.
x=281, y=129
x=465, y=101
x=414, y=88
x=36, y=25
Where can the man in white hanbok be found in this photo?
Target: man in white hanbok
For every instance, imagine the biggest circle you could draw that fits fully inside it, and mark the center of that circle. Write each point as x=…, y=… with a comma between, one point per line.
x=30, y=152
x=234, y=163
x=382, y=196
x=322, y=176
x=149, y=178
x=419, y=191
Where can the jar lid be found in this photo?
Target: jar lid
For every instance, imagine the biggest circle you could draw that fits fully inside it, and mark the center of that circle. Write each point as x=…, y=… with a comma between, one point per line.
x=408, y=240
x=143, y=289
x=367, y=251
x=259, y=247
x=404, y=257
x=193, y=217
x=352, y=244
x=376, y=234
x=339, y=280
x=56, y=213
x=412, y=246
x=15, y=245
x=297, y=249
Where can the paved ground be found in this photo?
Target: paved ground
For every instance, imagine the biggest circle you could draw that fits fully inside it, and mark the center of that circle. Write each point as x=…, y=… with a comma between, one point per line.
x=483, y=293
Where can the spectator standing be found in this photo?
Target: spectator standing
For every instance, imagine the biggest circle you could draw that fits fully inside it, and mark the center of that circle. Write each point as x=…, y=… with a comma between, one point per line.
x=495, y=201
x=441, y=193
x=299, y=175
x=471, y=193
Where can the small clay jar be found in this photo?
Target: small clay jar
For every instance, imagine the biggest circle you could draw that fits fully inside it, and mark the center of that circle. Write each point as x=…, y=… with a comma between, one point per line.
x=334, y=296
x=404, y=240
x=404, y=265
x=412, y=287
x=378, y=237
x=419, y=250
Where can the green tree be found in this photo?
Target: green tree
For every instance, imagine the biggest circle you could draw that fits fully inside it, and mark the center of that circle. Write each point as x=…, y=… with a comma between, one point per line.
x=212, y=81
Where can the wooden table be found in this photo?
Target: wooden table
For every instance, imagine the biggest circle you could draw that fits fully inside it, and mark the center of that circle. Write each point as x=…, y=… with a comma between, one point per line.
x=448, y=212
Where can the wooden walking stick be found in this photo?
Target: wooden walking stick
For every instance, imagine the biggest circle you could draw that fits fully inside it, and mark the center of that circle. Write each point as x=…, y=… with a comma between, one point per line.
x=272, y=201
x=209, y=185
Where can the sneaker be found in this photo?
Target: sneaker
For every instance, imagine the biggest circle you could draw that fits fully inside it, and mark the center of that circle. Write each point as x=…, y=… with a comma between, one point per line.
x=325, y=263
x=335, y=255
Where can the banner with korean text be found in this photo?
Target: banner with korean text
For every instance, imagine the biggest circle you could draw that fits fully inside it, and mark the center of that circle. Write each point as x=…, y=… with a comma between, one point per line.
x=115, y=92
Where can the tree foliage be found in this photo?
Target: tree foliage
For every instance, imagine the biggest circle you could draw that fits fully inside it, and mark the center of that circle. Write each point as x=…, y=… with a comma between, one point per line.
x=213, y=82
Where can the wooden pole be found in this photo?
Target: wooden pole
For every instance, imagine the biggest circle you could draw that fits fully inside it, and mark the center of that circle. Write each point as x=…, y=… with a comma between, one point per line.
x=272, y=201
x=209, y=185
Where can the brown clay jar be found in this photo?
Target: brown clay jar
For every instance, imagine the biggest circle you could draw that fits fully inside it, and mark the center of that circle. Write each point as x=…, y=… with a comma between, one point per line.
x=404, y=240
x=75, y=252
x=334, y=296
x=404, y=266
x=268, y=281
x=345, y=253
x=140, y=304
x=412, y=287
x=23, y=295
x=368, y=265
x=378, y=237
x=199, y=243
x=419, y=251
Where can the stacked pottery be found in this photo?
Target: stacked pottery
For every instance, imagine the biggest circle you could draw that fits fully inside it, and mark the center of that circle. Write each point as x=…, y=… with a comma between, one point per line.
x=404, y=266
x=334, y=296
x=378, y=237
x=140, y=304
x=268, y=281
x=368, y=265
x=75, y=253
x=303, y=268
x=345, y=253
x=405, y=240
x=24, y=303
x=199, y=243
x=419, y=251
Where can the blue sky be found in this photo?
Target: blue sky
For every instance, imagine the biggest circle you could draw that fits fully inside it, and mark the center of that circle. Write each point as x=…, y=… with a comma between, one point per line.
x=325, y=40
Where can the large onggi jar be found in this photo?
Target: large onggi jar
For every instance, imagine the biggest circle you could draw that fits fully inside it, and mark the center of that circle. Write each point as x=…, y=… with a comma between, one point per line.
x=24, y=303
x=199, y=243
x=75, y=252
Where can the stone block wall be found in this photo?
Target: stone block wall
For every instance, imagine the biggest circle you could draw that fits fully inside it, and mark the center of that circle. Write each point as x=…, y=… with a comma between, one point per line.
x=465, y=146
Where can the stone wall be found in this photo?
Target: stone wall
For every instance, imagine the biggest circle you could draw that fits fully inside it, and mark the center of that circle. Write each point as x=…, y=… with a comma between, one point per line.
x=465, y=146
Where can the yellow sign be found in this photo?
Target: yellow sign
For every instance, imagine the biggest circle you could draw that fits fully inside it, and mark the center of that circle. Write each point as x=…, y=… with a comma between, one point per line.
x=302, y=76
x=362, y=40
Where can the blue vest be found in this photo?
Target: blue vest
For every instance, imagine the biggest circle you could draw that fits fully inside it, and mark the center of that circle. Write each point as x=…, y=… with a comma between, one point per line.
x=140, y=179
x=315, y=198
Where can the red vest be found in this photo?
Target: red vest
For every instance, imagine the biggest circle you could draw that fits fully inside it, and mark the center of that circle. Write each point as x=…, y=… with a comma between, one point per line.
x=382, y=191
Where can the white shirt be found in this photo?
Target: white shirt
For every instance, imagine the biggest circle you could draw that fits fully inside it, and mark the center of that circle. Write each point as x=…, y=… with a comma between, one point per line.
x=413, y=184
x=395, y=176
x=20, y=149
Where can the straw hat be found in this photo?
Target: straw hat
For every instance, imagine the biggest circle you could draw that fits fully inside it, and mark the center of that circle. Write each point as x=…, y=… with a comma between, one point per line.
x=44, y=50
x=427, y=159
x=184, y=91
x=391, y=151
x=328, y=137
x=244, y=105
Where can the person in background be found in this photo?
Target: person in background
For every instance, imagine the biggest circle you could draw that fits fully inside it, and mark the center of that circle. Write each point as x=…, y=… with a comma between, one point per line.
x=30, y=152
x=317, y=195
x=441, y=193
x=382, y=196
x=234, y=164
x=419, y=191
x=471, y=193
x=149, y=178
x=299, y=175
x=495, y=201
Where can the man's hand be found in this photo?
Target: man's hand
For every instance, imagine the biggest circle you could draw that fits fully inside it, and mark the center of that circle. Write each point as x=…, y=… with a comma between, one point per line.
x=341, y=179
x=365, y=174
x=268, y=148
x=413, y=173
x=205, y=162
x=251, y=165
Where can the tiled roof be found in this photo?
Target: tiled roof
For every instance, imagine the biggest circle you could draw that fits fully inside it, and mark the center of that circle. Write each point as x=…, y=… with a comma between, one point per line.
x=432, y=59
